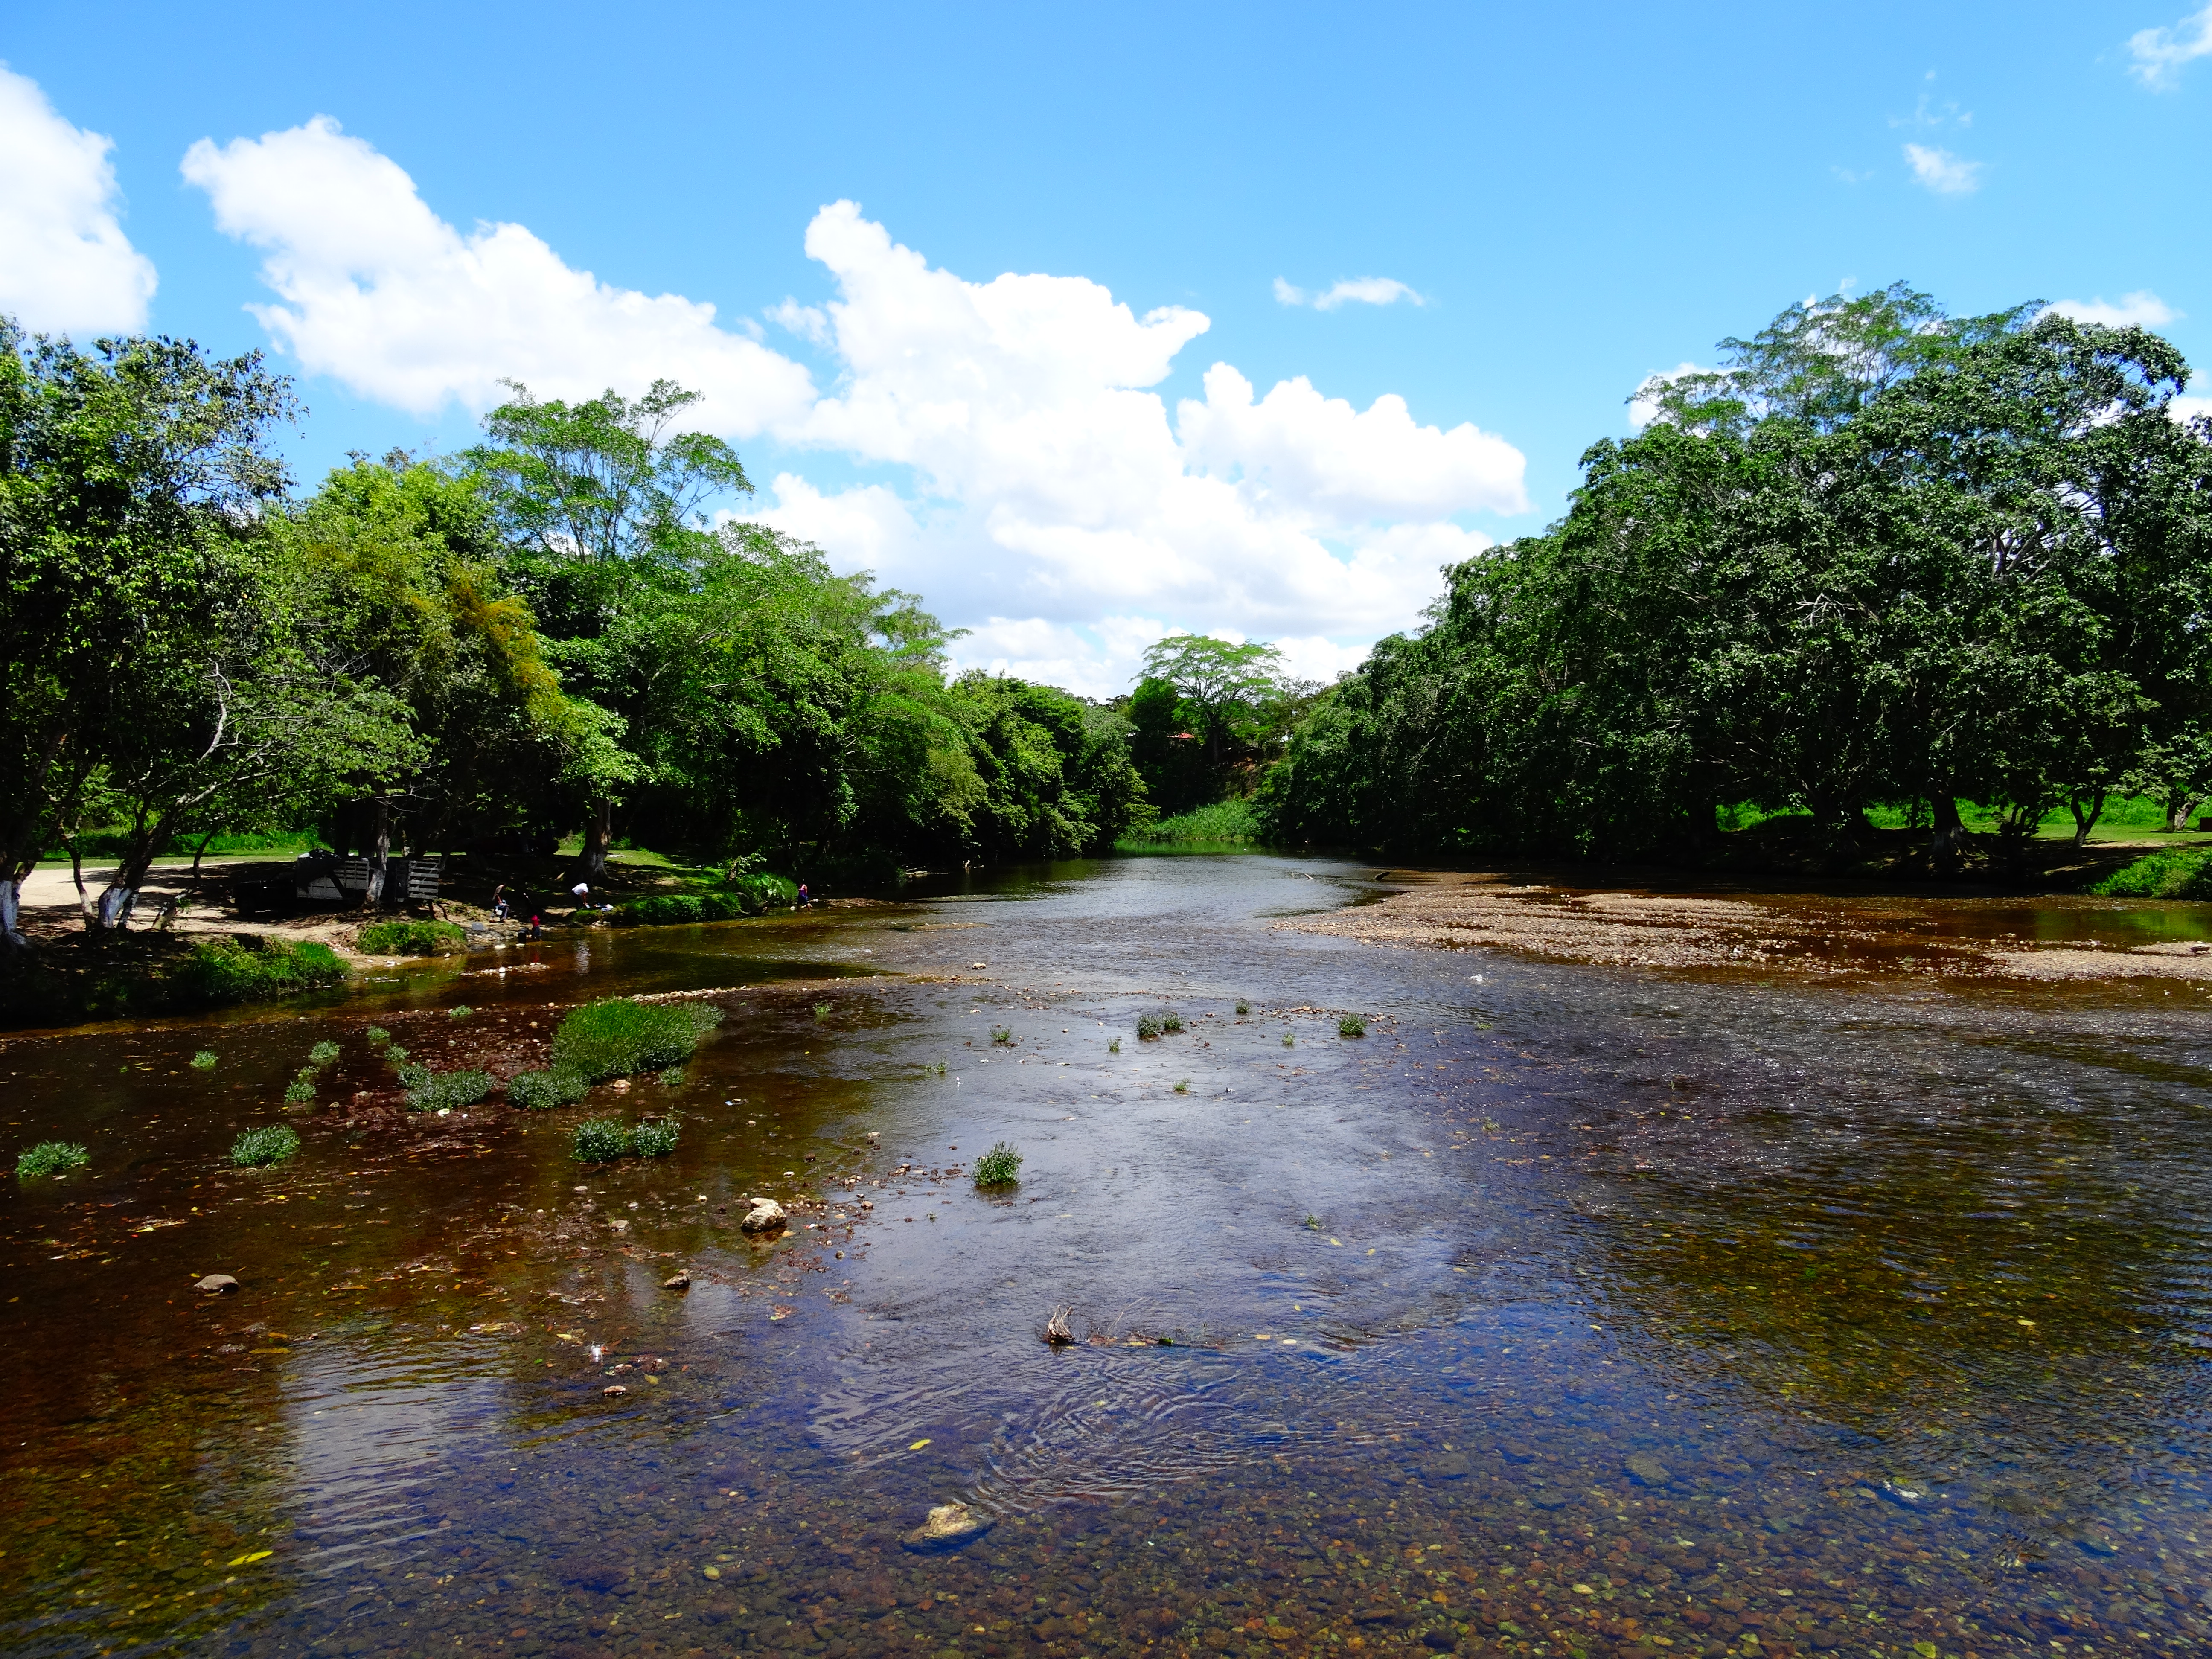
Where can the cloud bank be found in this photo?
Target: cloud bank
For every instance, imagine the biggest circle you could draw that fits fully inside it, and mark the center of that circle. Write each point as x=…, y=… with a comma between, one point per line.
x=2141, y=309
x=2160, y=53
x=65, y=264
x=1034, y=485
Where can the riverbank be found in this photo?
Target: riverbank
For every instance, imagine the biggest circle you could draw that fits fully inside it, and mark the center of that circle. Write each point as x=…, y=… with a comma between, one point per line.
x=1731, y=928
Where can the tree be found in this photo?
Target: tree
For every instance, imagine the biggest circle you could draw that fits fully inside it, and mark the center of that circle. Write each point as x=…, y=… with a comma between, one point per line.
x=129, y=476
x=1221, y=683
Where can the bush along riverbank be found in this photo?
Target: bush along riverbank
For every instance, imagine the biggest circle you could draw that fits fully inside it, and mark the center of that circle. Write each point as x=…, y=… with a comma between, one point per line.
x=744, y=896
x=2178, y=873
x=110, y=977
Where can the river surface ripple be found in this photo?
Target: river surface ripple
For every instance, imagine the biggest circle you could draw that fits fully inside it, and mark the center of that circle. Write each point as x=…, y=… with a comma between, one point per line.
x=1570, y=1310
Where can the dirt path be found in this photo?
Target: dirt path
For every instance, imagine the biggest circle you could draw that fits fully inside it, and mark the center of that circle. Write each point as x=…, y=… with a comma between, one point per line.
x=2036, y=939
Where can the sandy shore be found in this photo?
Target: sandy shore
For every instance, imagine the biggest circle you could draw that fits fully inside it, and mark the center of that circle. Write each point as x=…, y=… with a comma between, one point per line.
x=1758, y=934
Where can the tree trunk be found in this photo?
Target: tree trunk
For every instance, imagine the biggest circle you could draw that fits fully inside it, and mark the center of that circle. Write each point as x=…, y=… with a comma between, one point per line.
x=2184, y=806
x=121, y=893
x=11, y=902
x=380, y=856
x=199, y=853
x=599, y=831
x=76, y=874
x=1949, y=835
x=2086, y=810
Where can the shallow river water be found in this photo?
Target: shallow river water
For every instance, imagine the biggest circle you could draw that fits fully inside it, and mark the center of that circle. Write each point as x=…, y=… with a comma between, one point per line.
x=1570, y=1310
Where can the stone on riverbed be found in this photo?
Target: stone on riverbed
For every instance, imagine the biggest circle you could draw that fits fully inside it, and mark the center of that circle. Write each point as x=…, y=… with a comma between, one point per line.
x=948, y=1528
x=217, y=1284
x=766, y=1215
x=1647, y=1470
x=679, y=1280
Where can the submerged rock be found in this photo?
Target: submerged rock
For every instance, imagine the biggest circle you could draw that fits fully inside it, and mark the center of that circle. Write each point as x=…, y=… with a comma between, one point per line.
x=1647, y=1470
x=949, y=1527
x=217, y=1284
x=679, y=1280
x=766, y=1215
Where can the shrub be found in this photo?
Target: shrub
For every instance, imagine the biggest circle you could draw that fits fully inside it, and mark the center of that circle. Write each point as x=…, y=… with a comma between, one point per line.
x=377, y=1034
x=1223, y=823
x=203, y=1061
x=616, y=1038
x=1170, y=1021
x=1352, y=1025
x=50, y=1157
x=763, y=892
x=271, y=1144
x=410, y=939
x=301, y=1091
x=1001, y=1038
x=598, y=1140
x=234, y=970
x=395, y=1055
x=1148, y=1027
x=322, y=1054
x=437, y=1091
x=999, y=1167
x=653, y=1140
x=541, y=1092
x=2180, y=872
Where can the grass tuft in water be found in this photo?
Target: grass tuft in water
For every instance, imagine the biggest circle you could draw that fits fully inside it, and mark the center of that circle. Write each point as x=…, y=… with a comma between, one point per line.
x=271, y=1144
x=1352, y=1025
x=395, y=1055
x=203, y=1061
x=822, y=1011
x=410, y=939
x=619, y=1036
x=459, y=1011
x=1148, y=1027
x=1312, y=1222
x=443, y=1092
x=1170, y=1021
x=50, y=1157
x=598, y=1140
x=1001, y=1038
x=1243, y=1007
x=301, y=1091
x=1183, y=1087
x=1289, y=1041
x=1115, y=1046
x=999, y=1167
x=377, y=1034
x=541, y=1092
x=322, y=1054
x=673, y=1078
x=654, y=1139
x=937, y=1070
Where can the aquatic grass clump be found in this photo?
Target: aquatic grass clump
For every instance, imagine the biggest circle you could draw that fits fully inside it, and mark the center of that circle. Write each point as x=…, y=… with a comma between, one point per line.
x=654, y=1139
x=541, y=1092
x=322, y=1054
x=1171, y=1022
x=673, y=1078
x=598, y=1140
x=394, y=1055
x=203, y=1061
x=377, y=1034
x=1243, y=1007
x=1183, y=1087
x=271, y=1144
x=301, y=1090
x=999, y=1167
x=443, y=1091
x=1352, y=1025
x=822, y=1011
x=410, y=939
x=459, y=1011
x=50, y=1157
x=1001, y=1038
x=1114, y=1047
x=619, y=1036
x=1148, y=1027
x=1289, y=1041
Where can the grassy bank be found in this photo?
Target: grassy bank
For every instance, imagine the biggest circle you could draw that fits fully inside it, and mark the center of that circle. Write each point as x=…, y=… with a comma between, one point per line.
x=1224, y=823
x=86, y=977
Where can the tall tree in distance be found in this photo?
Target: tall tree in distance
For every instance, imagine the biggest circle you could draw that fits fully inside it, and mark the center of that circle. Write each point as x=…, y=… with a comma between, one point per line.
x=1220, y=682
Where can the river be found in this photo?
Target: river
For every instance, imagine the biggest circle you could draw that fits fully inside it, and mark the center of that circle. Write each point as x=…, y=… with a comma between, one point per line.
x=1570, y=1309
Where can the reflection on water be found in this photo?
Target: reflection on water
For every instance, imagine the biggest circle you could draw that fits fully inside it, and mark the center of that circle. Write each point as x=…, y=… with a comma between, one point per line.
x=1570, y=1310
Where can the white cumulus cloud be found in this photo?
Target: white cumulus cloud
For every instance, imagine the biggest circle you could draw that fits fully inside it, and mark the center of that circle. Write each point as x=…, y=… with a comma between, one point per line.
x=382, y=294
x=1022, y=470
x=2141, y=309
x=1352, y=290
x=65, y=264
x=2159, y=53
x=1943, y=172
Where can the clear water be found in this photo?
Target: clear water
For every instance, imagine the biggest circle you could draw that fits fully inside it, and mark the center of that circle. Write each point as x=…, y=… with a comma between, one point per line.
x=1570, y=1310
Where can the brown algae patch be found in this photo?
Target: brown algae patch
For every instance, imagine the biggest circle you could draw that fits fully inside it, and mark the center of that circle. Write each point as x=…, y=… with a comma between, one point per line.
x=1808, y=934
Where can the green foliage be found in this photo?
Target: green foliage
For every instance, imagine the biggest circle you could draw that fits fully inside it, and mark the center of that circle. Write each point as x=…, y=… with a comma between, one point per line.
x=445, y=1091
x=394, y=1054
x=50, y=1157
x=822, y=1011
x=203, y=1061
x=228, y=970
x=1170, y=1021
x=323, y=1053
x=1148, y=1027
x=1225, y=822
x=619, y=1036
x=654, y=1139
x=459, y=1011
x=301, y=1091
x=999, y=1167
x=377, y=1034
x=1290, y=1040
x=541, y=1092
x=1001, y=1036
x=1243, y=1007
x=1352, y=1025
x=1114, y=1046
x=673, y=1078
x=411, y=939
x=2177, y=872
x=760, y=891
x=1183, y=1087
x=271, y=1144
x=600, y=1140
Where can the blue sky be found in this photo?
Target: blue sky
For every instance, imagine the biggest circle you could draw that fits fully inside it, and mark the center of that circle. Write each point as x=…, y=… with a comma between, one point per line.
x=1554, y=202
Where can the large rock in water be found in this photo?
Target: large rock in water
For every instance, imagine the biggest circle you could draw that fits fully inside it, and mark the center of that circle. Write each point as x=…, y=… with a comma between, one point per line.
x=216, y=1285
x=766, y=1215
x=949, y=1527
